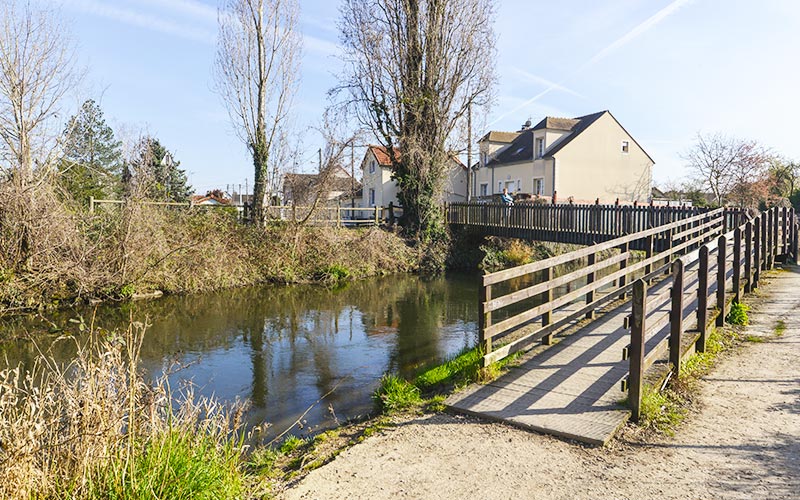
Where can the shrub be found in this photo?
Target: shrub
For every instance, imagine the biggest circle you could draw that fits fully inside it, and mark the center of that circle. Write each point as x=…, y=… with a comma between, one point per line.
x=738, y=314
x=395, y=393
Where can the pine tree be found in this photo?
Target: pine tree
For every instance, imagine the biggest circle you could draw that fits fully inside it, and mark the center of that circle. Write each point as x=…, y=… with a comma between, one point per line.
x=156, y=172
x=92, y=161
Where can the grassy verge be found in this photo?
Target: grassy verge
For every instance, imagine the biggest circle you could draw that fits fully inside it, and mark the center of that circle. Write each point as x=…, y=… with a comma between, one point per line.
x=141, y=249
x=663, y=411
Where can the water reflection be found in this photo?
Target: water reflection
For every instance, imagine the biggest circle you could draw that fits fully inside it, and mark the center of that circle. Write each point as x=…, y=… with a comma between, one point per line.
x=284, y=348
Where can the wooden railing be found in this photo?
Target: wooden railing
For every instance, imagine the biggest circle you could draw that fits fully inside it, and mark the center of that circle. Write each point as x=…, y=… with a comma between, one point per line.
x=729, y=265
x=533, y=302
x=339, y=216
x=581, y=224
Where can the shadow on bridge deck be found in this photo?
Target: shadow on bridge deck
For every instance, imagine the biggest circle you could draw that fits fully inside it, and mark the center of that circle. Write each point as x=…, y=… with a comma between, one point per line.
x=572, y=390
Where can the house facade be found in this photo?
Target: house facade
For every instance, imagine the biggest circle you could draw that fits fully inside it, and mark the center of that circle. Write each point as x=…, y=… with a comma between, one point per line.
x=301, y=189
x=582, y=158
x=379, y=189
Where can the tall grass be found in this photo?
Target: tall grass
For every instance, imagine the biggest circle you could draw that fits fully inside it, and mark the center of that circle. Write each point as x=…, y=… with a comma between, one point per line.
x=94, y=429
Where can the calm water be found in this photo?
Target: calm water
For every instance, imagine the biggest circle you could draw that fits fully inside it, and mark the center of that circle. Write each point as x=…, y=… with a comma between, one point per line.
x=283, y=348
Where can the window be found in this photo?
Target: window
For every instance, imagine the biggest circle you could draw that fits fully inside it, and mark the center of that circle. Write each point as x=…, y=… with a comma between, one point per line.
x=538, y=186
x=372, y=167
x=625, y=146
x=500, y=186
x=519, y=185
x=372, y=197
x=484, y=189
x=540, y=147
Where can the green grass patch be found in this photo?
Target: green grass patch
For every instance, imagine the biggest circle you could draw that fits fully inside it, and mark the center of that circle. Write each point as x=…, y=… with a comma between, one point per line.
x=173, y=464
x=756, y=339
x=291, y=443
x=780, y=328
x=395, y=393
x=462, y=367
x=662, y=411
x=738, y=314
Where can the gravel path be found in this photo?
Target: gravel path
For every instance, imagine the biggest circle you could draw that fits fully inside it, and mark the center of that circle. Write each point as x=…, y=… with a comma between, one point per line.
x=743, y=442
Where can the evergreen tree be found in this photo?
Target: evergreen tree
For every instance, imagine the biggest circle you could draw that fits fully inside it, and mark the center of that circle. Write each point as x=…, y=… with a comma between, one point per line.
x=92, y=161
x=155, y=171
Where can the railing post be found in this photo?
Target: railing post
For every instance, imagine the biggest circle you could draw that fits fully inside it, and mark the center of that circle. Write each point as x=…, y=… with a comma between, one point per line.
x=339, y=213
x=748, y=257
x=722, y=245
x=91, y=204
x=622, y=265
x=648, y=252
x=589, y=280
x=764, y=250
x=377, y=223
x=784, y=235
x=547, y=317
x=774, y=249
x=676, y=317
x=756, y=252
x=702, y=299
x=737, y=264
x=769, y=245
x=636, y=371
x=484, y=320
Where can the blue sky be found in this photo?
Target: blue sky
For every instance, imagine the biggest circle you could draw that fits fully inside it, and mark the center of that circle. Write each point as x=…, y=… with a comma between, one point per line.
x=666, y=69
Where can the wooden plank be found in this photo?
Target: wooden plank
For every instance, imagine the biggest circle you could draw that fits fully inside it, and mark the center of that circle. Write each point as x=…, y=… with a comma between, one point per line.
x=532, y=291
x=697, y=229
x=737, y=264
x=485, y=320
x=499, y=276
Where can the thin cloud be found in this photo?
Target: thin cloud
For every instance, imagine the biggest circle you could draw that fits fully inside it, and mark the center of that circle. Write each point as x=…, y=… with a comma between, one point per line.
x=545, y=82
x=141, y=20
x=639, y=30
x=191, y=8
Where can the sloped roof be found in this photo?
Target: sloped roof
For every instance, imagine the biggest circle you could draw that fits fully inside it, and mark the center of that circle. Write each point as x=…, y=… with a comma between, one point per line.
x=498, y=136
x=521, y=149
x=581, y=124
x=556, y=123
x=382, y=155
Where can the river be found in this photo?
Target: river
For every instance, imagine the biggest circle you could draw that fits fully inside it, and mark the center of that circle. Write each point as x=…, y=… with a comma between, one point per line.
x=283, y=347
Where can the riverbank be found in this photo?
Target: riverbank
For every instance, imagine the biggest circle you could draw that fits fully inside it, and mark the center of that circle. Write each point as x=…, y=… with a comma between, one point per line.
x=70, y=256
x=738, y=440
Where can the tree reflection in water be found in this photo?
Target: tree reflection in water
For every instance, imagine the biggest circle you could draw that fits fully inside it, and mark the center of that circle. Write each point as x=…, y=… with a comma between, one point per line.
x=284, y=347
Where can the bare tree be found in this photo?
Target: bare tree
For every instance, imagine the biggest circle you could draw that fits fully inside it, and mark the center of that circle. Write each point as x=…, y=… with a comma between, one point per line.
x=256, y=70
x=728, y=167
x=36, y=70
x=414, y=67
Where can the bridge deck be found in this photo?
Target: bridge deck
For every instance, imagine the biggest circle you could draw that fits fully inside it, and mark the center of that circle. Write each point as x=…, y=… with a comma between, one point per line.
x=572, y=389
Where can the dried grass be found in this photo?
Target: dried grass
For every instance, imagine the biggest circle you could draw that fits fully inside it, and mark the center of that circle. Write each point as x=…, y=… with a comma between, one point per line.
x=92, y=428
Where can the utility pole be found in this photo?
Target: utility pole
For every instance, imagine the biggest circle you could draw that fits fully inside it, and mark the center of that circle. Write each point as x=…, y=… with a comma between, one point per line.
x=240, y=194
x=352, y=175
x=469, y=153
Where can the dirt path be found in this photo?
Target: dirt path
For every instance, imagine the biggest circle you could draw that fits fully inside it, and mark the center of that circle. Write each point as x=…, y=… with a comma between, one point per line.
x=743, y=443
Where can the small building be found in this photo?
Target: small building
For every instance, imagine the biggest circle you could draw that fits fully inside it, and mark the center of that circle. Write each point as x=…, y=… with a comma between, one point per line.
x=212, y=198
x=582, y=159
x=380, y=189
x=302, y=189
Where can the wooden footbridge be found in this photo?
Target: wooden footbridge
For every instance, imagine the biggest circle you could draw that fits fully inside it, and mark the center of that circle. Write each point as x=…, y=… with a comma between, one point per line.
x=605, y=321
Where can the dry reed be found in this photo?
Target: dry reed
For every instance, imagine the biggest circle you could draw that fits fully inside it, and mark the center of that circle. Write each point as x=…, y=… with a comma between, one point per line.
x=94, y=429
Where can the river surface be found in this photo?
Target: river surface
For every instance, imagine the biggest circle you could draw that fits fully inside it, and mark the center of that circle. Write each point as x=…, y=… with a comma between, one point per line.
x=284, y=348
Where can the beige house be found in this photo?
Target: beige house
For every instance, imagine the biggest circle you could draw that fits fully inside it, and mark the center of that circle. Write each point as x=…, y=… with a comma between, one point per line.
x=582, y=158
x=379, y=189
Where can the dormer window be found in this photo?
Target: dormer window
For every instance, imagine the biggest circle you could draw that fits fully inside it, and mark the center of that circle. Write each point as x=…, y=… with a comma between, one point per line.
x=625, y=146
x=540, y=147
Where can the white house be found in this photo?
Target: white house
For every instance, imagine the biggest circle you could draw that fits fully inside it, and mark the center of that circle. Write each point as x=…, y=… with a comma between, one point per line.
x=379, y=189
x=582, y=158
